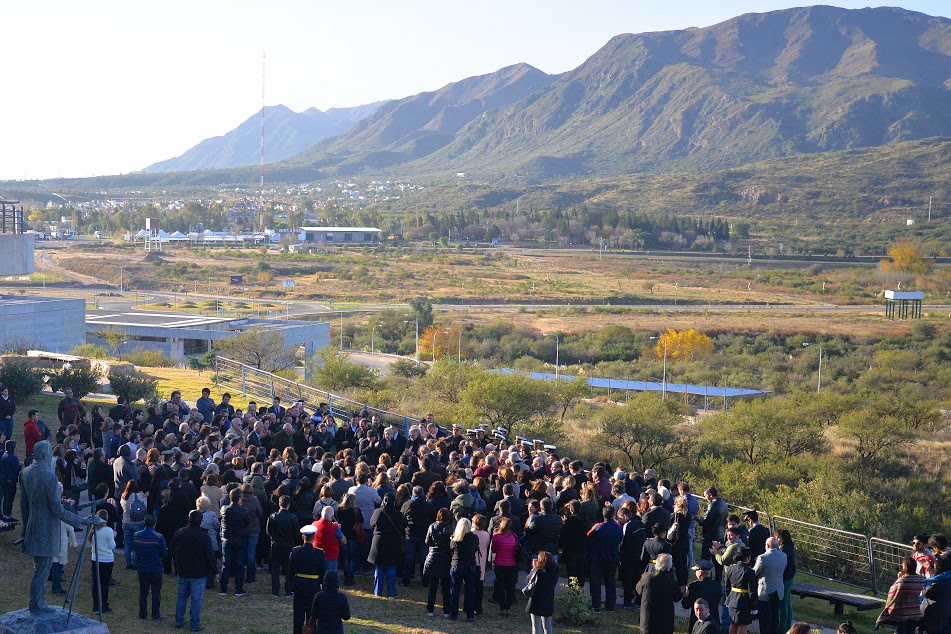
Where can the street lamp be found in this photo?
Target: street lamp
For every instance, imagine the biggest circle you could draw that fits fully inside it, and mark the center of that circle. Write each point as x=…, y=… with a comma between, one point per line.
x=818, y=345
x=416, y=319
x=341, y=331
x=459, y=348
x=557, y=346
x=664, y=384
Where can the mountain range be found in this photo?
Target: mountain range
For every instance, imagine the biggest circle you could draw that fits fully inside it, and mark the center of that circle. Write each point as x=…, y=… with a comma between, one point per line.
x=752, y=88
x=286, y=133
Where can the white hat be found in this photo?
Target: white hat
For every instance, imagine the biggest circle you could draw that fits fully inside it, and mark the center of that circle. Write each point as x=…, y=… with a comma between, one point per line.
x=308, y=529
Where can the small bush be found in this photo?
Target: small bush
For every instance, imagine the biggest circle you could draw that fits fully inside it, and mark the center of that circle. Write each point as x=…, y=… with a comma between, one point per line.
x=407, y=369
x=81, y=380
x=24, y=383
x=90, y=351
x=573, y=606
x=134, y=387
x=150, y=358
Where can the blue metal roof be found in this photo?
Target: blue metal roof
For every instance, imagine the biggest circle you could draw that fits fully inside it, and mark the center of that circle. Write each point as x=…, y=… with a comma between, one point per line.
x=646, y=386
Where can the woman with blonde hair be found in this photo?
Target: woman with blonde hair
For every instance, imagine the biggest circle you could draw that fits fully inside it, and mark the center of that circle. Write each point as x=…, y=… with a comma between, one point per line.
x=464, y=571
x=681, y=542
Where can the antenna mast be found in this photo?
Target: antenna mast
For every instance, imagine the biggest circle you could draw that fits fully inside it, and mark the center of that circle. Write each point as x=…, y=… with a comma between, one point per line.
x=262, y=141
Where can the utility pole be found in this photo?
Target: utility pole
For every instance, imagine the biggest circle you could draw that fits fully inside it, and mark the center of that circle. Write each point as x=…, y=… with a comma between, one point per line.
x=930, y=198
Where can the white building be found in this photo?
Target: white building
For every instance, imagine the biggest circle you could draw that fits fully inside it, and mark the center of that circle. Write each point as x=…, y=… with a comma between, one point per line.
x=340, y=235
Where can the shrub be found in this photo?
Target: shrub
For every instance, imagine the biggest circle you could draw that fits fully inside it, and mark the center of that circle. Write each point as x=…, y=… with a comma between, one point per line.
x=24, y=383
x=90, y=351
x=81, y=380
x=573, y=606
x=150, y=358
x=407, y=369
x=134, y=387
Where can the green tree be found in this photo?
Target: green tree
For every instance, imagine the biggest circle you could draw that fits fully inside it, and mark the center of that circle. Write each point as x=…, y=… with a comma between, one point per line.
x=644, y=430
x=508, y=401
x=134, y=387
x=260, y=348
x=422, y=309
x=876, y=436
x=114, y=336
x=81, y=380
x=565, y=393
x=333, y=370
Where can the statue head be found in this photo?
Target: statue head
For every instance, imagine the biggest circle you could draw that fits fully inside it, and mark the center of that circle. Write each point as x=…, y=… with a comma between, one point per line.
x=42, y=452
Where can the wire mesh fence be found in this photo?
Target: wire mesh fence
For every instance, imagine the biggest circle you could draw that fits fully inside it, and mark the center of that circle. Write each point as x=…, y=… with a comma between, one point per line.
x=887, y=558
x=830, y=553
x=265, y=385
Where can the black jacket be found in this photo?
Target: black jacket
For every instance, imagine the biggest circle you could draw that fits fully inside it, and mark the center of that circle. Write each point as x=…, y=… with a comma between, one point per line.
x=653, y=547
x=706, y=626
x=306, y=560
x=701, y=589
x=713, y=522
x=757, y=540
x=659, y=591
x=192, y=553
x=235, y=520
x=330, y=608
x=573, y=534
x=466, y=552
x=936, y=608
x=656, y=515
x=544, y=531
x=389, y=528
x=632, y=541
x=283, y=529
x=419, y=515
x=439, y=557
x=542, y=601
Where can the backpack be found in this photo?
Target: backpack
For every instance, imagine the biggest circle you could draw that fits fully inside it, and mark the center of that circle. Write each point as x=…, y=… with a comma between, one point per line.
x=137, y=510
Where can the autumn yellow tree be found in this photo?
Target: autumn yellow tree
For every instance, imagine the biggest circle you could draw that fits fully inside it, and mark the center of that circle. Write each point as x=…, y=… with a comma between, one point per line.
x=442, y=338
x=904, y=257
x=684, y=344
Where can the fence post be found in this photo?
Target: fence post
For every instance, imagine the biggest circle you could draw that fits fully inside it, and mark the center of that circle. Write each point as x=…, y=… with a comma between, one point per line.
x=272, y=387
x=406, y=426
x=871, y=567
x=244, y=381
x=330, y=403
x=217, y=371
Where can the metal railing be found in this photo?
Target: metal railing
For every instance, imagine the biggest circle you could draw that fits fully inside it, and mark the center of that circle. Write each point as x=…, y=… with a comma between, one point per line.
x=257, y=383
x=830, y=553
x=886, y=556
x=11, y=216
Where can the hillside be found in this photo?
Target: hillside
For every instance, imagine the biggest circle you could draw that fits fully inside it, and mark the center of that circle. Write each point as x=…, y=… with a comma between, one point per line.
x=754, y=87
x=286, y=133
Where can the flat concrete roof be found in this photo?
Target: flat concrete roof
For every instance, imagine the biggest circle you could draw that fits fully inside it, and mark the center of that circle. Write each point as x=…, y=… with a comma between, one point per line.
x=192, y=326
x=25, y=300
x=161, y=320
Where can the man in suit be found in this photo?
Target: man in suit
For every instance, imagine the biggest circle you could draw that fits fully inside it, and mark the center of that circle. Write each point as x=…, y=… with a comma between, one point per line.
x=713, y=524
x=656, y=515
x=516, y=505
x=758, y=534
x=277, y=409
x=398, y=439
x=703, y=621
x=704, y=588
x=769, y=570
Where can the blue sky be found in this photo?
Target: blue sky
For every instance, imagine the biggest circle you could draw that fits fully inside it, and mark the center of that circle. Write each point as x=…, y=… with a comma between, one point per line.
x=108, y=87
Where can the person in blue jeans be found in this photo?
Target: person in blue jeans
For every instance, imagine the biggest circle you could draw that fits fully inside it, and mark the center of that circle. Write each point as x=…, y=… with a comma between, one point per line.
x=150, y=550
x=133, y=519
x=235, y=520
x=195, y=561
x=465, y=569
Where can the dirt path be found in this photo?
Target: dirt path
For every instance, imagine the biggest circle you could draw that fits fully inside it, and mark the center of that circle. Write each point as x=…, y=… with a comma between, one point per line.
x=46, y=262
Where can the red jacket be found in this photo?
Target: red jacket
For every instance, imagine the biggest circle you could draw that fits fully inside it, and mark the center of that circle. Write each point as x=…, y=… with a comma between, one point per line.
x=326, y=538
x=31, y=436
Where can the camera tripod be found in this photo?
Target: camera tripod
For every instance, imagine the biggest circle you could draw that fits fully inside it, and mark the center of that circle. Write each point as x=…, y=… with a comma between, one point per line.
x=70, y=598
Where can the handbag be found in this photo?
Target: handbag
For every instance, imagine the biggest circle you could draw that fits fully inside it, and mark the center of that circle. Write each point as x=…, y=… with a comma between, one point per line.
x=673, y=532
x=309, y=627
x=530, y=583
x=358, y=529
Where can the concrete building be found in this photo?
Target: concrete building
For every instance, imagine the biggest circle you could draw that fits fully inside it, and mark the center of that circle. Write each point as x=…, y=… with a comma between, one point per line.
x=16, y=246
x=54, y=324
x=178, y=335
x=340, y=235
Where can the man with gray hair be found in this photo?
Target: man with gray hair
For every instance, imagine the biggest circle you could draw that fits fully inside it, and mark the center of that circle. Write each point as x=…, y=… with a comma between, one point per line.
x=769, y=570
x=419, y=514
x=42, y=512
x=659, y=590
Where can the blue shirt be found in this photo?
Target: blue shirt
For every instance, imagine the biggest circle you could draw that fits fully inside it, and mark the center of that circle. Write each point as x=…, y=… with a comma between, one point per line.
x=149, y=548
x=605, y=541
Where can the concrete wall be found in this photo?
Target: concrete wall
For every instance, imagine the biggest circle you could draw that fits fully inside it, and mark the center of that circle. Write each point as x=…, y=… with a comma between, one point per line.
x=16, y=254
x=44, y=323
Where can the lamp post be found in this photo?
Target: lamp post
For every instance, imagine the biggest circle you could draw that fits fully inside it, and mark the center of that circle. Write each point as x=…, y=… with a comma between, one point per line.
x=416, y=319
x=664, y=384
x=557, y=350
x=818, y=345
x=341, y=331
x=434, y=344
x=120, y=279
x=459, y=347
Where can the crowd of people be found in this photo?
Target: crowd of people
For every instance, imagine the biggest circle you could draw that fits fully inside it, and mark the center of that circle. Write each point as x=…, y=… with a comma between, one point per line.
x=214, y=494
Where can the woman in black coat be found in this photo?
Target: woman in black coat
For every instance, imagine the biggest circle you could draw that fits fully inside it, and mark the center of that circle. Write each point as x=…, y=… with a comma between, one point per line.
x=386, y=549
x=541, y=603
x=681, y=545
x=659, y=590
x=439, y=560
x=330, y=607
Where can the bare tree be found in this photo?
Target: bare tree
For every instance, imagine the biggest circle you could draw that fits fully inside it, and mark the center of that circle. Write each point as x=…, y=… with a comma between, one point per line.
x=261, y=348
x=114, y=336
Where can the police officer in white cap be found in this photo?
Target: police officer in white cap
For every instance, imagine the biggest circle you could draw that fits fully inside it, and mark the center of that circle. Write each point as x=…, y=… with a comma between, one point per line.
x=305, y=574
